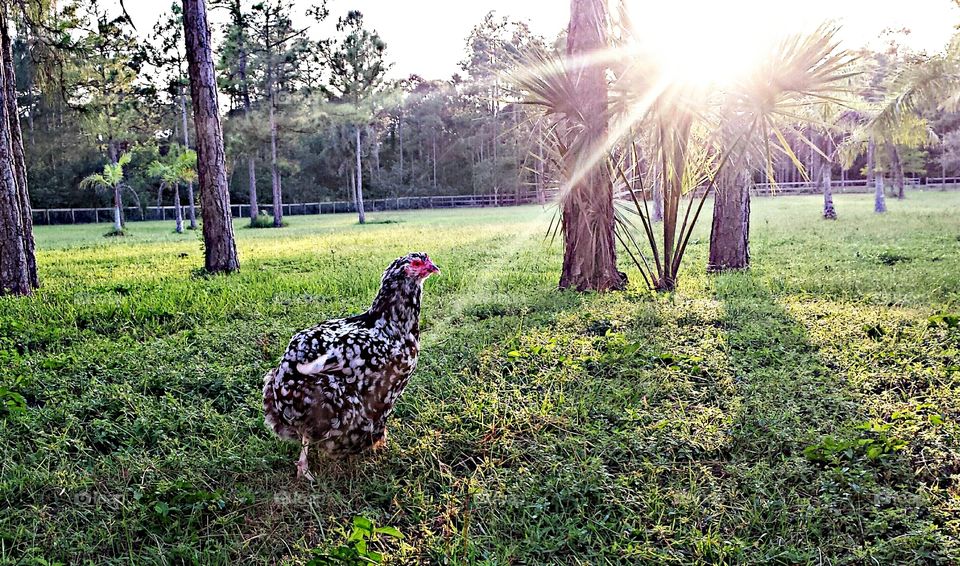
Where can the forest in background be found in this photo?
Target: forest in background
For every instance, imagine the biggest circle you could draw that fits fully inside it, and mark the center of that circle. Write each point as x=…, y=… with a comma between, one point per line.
x=90, y=89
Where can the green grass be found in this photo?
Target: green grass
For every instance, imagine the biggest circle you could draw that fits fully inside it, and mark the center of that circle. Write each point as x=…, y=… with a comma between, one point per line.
x=804, y=411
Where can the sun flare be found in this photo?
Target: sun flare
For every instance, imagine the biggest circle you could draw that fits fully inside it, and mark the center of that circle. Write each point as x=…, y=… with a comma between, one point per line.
x=706, y=43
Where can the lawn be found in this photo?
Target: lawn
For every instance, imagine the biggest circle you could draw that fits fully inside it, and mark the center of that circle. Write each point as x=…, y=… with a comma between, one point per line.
x=805, y=411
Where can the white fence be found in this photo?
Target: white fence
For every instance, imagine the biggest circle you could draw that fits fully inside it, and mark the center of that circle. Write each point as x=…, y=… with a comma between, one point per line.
x=52, y=216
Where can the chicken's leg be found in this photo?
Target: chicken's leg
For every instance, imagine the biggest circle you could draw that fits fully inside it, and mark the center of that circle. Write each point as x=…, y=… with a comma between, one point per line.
x=303, y=469
x=381, y=442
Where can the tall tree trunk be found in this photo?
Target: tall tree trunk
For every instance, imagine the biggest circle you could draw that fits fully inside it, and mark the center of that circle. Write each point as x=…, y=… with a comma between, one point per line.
x=245, y=94
x=829, y=212
x=117, y=209
x=16, y=145
x=359, y=176
x=879, y=199
x=117, y=197
x=219, y=247
x=871, y=161
x=730, y=234
x=14, y=269
x=896, y=170
x=186, y=144
x=274, y=170
x=400, y=135
x=177, y=209
x=589, y=256
x=252, y=175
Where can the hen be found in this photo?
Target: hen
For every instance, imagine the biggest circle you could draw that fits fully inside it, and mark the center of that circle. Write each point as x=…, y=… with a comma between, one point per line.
x=338, y=381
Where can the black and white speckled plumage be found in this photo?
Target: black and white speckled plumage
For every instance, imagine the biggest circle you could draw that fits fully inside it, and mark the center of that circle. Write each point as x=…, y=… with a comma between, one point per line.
x=338, y=381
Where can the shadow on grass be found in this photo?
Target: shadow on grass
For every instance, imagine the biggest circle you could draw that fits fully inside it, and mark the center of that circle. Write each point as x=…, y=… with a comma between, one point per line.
x=812, y=474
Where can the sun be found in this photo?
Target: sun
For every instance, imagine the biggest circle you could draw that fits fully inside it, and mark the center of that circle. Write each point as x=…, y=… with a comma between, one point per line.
x=705, y=42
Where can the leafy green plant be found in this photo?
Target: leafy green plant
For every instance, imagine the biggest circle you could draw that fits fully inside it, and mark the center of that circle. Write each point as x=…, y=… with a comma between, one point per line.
x=356, y=550
x=947, y=320
x=873, y=446
x=11, y=402
x=263, y=220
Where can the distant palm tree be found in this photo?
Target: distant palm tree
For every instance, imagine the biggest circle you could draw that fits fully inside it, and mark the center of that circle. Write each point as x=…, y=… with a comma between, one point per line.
x=111, y=178
x=179, y=167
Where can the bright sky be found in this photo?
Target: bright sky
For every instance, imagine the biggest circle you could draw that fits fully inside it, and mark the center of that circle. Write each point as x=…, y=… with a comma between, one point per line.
x=427, y=36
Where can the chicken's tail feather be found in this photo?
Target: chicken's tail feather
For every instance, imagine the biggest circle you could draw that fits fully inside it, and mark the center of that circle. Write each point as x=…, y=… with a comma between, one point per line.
x=271, y=411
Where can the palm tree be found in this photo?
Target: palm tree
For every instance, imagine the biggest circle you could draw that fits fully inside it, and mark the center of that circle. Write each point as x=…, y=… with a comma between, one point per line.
x=111, y=178
x=693, y=135
x=879, y=128
x=179, y=167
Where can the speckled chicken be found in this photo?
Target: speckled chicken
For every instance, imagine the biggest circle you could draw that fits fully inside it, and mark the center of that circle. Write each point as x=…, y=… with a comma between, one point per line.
x=338, y=381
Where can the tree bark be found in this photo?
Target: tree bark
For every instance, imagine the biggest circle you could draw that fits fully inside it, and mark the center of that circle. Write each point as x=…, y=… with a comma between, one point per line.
x=730, y=234
x=252, y=174
x=16, y=144
x=14, y=270
x=117, y=209
x=879, y=200
x=829, y=212
x=220, y=250
x=117, y=197
x=871, y=161
x=590, y=255
x=400, y=136
x=245, y=94
x=272, y=102
x=896, y=170
x=434, y=139
x=186, y=144
x=359, y=178
x=177, y=209
x=274, y=170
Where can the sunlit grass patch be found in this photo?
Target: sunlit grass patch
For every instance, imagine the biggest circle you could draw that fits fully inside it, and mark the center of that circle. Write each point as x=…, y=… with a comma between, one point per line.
x=804, y=410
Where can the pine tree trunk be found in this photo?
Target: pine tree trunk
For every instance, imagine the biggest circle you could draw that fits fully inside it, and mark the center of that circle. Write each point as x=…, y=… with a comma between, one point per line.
x=177, y=209
x=400, y=135
x=274, y=170
x=879, y=199
x=730, y=234
x=186, y=144
x=829, y=212
x=16, y=143
x=359, y=176
x=14, y=270
x=589, y=256
x=252, y=174
x=245, y=93
x=219, y=247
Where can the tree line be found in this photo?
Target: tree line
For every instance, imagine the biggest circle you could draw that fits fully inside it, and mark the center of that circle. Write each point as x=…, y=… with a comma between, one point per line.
x=305, y=119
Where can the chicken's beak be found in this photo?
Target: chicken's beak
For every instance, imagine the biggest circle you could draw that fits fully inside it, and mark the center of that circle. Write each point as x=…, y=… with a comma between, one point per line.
x=431, y=269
